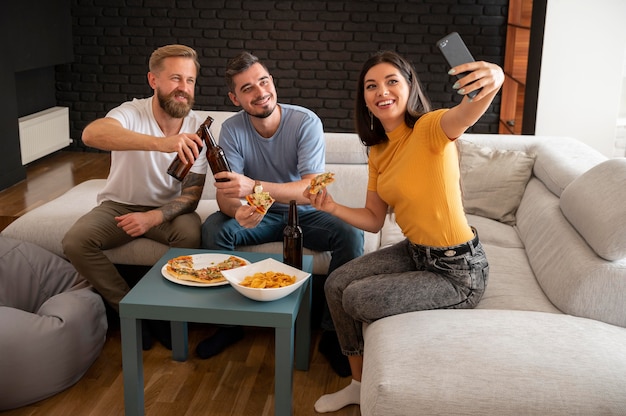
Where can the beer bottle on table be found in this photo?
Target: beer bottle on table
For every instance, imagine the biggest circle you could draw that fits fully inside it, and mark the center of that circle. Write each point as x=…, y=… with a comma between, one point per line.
x=177, y=168
x=292, y=238
x=215, y=154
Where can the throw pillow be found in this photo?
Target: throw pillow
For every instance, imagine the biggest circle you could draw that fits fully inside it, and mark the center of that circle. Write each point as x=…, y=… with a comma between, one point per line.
x=594, y=203
x=493, y=180
x=391, y=233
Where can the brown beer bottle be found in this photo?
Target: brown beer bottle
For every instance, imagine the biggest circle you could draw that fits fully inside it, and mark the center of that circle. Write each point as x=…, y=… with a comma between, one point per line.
x=292, y=238
x=177, y=168
x=215, y=154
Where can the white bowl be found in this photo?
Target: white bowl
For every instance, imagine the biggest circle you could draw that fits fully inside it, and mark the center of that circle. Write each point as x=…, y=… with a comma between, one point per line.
x=235, y=276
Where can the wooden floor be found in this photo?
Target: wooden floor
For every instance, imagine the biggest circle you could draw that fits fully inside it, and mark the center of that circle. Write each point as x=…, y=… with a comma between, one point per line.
x=48, y=178
x=238, y=382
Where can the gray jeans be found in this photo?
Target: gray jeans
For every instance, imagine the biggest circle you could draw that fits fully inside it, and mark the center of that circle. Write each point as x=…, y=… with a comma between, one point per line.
x=403, y=278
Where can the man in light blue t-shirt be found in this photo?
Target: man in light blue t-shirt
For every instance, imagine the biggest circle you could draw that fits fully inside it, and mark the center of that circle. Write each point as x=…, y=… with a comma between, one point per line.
x=280, y=147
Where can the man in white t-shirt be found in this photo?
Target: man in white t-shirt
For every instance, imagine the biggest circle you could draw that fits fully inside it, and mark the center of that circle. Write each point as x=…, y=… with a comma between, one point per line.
x=140, y=199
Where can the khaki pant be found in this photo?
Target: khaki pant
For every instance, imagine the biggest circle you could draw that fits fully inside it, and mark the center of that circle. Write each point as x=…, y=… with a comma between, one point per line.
x=97, y=231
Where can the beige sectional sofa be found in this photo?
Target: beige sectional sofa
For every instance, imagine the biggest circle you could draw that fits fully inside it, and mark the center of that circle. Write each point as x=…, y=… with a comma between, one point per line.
x=549, y=336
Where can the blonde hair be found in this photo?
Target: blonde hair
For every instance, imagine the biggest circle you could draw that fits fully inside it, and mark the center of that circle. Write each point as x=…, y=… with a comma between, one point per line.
x=169, y=51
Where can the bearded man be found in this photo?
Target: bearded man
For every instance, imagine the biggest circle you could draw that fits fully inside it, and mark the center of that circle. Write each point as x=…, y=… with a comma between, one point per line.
x=140, y=199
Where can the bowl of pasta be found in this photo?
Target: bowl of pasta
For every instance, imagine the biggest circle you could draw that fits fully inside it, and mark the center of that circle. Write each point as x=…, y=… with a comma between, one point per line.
x=266, y=280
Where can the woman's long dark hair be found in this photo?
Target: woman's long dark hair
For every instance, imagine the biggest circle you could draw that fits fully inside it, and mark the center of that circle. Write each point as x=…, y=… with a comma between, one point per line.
x=417, y=105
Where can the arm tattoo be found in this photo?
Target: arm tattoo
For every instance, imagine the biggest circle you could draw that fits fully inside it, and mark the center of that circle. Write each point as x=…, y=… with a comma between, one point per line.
x=189, y=197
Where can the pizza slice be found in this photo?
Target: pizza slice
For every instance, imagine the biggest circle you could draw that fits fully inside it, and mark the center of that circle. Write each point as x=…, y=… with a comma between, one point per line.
x=213, y=274
x=321, y=181
x=181, y=262
x=182, y=268
x=231, y=262
x=260, y=200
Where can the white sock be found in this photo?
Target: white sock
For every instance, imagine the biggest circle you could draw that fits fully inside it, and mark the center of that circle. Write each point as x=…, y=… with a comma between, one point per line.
x=351, y=394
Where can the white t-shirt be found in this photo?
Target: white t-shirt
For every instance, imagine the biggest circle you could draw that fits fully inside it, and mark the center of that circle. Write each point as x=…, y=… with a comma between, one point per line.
x=139, y=177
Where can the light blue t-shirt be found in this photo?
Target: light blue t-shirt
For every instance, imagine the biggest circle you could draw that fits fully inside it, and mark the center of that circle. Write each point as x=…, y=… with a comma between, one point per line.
x=296, y=149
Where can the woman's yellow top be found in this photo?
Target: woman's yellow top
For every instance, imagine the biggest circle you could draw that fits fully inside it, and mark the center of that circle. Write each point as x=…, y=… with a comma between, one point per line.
x=417, y=173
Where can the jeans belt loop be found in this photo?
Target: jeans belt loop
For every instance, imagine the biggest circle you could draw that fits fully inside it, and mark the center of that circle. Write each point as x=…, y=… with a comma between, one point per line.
x=469, y=247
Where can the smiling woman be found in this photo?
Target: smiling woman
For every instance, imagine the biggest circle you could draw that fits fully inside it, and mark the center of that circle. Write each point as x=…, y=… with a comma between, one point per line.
x=393, y=76
x=386, y=95
x=414, y=170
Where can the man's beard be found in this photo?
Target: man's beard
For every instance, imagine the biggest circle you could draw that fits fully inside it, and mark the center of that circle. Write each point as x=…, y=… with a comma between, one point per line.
x=175, y=108
x=265, y=113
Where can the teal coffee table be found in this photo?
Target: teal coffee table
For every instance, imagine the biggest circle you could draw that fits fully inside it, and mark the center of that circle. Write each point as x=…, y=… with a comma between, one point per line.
x=155, y=297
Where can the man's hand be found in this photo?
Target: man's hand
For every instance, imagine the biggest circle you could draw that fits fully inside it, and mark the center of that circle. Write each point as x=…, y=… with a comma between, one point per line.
x=247, y=216
x=237, y=186
x=136, y=224
x=108, y=134
x=187, y=145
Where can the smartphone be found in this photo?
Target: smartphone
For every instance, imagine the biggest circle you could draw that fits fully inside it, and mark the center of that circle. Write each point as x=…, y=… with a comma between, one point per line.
x=456, y=53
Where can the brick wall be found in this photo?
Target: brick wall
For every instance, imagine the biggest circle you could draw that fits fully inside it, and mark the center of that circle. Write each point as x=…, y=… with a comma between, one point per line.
x=314, y=49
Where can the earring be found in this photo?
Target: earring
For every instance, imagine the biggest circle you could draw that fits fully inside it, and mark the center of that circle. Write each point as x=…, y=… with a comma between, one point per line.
x=371, y=121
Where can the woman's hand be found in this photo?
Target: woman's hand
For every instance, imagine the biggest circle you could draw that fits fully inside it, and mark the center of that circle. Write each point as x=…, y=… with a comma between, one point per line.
x=321, y=201
x=485, y=75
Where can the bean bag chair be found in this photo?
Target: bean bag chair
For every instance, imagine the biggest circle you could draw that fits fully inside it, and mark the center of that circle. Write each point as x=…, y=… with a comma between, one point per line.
x=52, y=324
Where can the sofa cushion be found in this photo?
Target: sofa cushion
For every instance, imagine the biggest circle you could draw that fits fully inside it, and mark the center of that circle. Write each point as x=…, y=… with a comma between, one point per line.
x=345, y=148
x=573, y=276
x=511, y=283
x=47, y=224
x=493, y=180
x=494, y=232
x=391, y=233
x=595, y=204
x=559, y=160
x=492, y=362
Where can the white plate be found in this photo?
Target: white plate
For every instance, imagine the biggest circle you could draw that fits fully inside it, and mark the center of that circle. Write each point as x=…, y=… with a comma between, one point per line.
x=201, y=261
x=235, y=276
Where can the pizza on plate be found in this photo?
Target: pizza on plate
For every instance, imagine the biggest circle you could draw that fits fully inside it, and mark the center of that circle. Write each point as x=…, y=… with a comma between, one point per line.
x=321, y=181
x=261, y=201
x=182, y=268
x=181, y=262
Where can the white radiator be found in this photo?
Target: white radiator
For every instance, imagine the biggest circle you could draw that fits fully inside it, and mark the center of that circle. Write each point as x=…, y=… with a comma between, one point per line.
x=44, y=132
